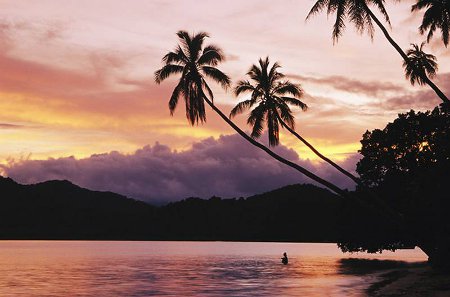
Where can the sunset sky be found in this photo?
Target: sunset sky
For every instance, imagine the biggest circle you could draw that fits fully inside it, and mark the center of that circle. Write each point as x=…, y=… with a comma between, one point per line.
x=78, y=99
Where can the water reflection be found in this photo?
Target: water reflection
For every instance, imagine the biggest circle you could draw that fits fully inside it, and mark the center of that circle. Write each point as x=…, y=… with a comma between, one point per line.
x=352, y=266
x=181, y=269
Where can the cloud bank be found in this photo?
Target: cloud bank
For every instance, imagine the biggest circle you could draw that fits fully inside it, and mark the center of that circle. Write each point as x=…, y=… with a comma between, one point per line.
x=226, y=167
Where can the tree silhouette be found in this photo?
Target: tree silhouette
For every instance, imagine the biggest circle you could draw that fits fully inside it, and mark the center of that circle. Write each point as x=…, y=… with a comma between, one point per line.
x=193, y=62
x=408, y=164
x=359, y=13
x=420, y=65
x=269, y=92
x=436, y=16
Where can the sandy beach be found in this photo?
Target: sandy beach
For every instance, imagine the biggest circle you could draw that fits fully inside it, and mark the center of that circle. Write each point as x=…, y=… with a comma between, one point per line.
x=417, y=281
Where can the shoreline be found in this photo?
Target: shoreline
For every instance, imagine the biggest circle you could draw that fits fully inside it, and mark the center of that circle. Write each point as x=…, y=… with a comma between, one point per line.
x=416, y=281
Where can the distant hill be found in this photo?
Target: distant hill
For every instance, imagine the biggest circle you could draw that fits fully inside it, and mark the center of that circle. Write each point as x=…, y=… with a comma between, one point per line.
x=62, y=210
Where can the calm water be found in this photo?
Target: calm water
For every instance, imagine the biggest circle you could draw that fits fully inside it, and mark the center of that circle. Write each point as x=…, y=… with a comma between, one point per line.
x=89, y=268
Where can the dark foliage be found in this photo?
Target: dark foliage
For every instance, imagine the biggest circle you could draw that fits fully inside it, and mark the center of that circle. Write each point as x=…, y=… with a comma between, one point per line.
x=193, y=62
x=272, y=94
x=61, y=210
x=436, y=16
x=354, y=11
x=420, y=65
x=408, y=165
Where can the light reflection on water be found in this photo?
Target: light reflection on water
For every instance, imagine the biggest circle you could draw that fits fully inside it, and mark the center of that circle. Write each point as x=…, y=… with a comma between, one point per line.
x=89, y=268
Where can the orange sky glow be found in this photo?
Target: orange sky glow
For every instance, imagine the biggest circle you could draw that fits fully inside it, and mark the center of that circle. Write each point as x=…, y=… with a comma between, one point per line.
x=76, y=77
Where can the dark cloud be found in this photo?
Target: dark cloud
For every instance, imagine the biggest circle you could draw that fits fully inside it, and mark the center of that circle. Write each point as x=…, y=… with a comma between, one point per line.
x=423, y=99
x=10, y=126
x=388, y=95
x=227, y=167
x=369, y=88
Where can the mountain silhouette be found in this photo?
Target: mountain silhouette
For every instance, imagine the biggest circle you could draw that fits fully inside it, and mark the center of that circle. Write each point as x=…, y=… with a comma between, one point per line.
x=62, y=210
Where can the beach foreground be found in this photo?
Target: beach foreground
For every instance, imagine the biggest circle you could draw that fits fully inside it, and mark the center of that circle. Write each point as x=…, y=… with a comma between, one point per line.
x=413, y=282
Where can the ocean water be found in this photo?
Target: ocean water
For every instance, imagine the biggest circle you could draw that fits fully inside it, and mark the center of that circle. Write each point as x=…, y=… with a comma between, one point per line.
x=120, y=268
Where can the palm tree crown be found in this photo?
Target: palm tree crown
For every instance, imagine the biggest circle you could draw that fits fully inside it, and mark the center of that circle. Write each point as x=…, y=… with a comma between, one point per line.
x=270, y=92
x=356, y=11
x=194, y=62
x=420, y=65
x=436, y=16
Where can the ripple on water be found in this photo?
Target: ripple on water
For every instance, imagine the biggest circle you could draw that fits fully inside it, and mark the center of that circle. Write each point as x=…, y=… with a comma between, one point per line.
x=42, y=268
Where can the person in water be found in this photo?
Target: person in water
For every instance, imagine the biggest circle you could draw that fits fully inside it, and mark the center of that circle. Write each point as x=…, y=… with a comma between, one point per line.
x=284, y=260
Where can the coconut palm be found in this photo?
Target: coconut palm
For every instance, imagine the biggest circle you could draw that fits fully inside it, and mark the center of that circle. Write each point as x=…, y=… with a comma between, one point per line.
x=195, y=62
x=359, y=13
x=269, y=92
x=436, y=16
x=421, y=65
x=272, y=95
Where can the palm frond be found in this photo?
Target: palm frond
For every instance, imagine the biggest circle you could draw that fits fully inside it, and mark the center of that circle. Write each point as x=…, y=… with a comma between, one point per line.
x=339, y=24
x=217, y=76
x=317, y=8
x=196, y=44
x=195, y=105
x=295, y=102
x=288, y=88
x=380, y=5
x=273, y=127
x=244, y=86
x=274, y=75
x=177, y=56
x=176, y=94
x=420, y=65
x=255, y=73
x=212, y=55
x=185, y=40
x=256, y=119
x=356, y=12
x=241, y=107
x=436, y=16
x=208, y=90
x=166, y=71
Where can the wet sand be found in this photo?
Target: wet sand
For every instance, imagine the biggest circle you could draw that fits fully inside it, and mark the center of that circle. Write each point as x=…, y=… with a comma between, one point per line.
x=417, y=281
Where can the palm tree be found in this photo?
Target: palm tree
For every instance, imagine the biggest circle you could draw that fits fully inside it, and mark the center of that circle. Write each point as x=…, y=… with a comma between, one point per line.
x=420, y=66
x=436, y=16
x=359, y=13
x=194, y=62
x=270, y=93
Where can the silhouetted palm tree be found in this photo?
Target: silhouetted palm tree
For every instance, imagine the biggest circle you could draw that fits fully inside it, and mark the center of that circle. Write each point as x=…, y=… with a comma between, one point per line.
x=194, y=62
x=436, y=16
x=269, y=92
x=359, y=13
x=420, y=65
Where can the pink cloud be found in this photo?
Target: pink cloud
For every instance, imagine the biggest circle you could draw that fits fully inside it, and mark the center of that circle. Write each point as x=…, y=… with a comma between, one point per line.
x=227, y=167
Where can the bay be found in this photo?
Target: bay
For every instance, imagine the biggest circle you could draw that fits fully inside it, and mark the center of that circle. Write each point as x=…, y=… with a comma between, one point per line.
x=121, y=268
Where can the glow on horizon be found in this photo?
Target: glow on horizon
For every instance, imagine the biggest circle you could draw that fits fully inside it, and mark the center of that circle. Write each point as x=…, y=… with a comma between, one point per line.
x=83, y=71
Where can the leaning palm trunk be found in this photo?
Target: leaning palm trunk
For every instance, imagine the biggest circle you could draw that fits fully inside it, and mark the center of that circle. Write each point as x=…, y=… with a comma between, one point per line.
x=339, y=168
x=274, y=155
x=405, y=57
x=375, y=202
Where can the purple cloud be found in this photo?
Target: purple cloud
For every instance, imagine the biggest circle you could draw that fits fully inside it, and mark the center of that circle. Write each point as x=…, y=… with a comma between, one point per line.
x=226, y=167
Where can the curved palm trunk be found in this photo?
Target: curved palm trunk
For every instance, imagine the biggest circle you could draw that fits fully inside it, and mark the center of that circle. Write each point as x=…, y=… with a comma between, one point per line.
x=380, y=206
x=405, y=57
x=339, y=168
x=297, y=167
x=378, y=202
